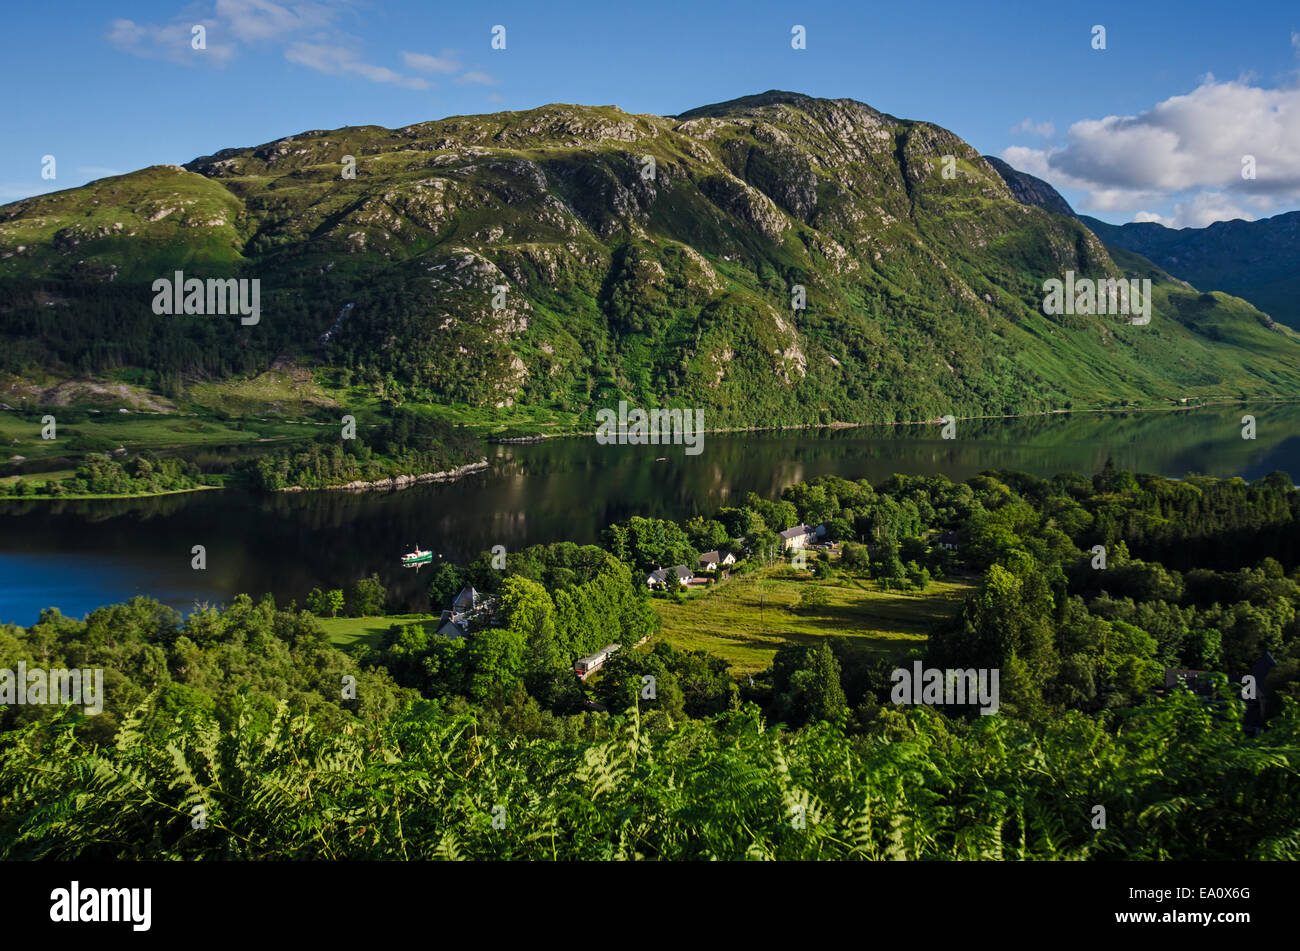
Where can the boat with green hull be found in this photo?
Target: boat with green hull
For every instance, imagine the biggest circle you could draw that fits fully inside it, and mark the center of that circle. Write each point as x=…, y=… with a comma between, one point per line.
x=413, y=559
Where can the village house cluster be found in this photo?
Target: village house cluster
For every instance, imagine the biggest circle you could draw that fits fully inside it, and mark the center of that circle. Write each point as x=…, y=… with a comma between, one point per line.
x=716, y=565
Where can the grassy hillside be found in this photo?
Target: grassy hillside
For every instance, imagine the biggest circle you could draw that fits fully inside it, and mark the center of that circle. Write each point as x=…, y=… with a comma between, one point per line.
x=1256, y=260
x=745, y=619
x=643, y=257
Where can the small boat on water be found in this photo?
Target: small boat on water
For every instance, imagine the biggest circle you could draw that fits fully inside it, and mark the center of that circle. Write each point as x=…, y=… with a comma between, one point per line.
x=415, y=558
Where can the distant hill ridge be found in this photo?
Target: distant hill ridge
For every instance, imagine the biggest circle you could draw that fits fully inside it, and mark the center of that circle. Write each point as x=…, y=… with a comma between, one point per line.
x=1258, y=261
x=1255, y=260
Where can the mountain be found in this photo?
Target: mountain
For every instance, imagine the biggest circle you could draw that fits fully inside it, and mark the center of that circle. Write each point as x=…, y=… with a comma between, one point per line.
x=1258, y=261
x=643, y=257
x=1029, y=190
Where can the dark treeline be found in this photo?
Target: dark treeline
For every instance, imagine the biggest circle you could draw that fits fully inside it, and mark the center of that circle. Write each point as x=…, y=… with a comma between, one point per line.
x=409, y=443
x=96, y=327
x=93, y=328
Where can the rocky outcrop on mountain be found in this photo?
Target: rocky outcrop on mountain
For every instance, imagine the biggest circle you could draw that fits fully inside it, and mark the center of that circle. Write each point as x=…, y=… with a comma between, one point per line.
x=1029, y=190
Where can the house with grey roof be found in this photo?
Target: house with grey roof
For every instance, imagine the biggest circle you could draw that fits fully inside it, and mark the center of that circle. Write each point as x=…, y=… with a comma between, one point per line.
x=658, y=579
x=467, y=600
x=452, y=624
x=800, y=536
x=712, y=560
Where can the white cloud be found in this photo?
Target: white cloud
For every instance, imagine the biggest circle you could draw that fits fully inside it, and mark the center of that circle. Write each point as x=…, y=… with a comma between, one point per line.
x=424, y=63
x=231, y=22
x=447, y=62
x=303, y=27
x=338, y=61
x=1037, y=162
x=251, y=20
x=1205, y=209
x=1045, y=129
x=1193, y=141
x=1188, y=150
x=1024, y=159
x=172, y=42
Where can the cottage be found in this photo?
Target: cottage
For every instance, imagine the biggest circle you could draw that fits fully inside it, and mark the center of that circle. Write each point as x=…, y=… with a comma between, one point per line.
x=800, y=536
x=712, y=560
x=467, y=600
x=1255, y=707
x=658, y=579
x=1201, y=683
x=949, y=540
x=453, y=625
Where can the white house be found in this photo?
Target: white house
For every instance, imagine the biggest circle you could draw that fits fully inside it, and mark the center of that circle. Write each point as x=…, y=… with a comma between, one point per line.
x=710, y=560
x=801, y=536
x=467, y=600
x=659, y=577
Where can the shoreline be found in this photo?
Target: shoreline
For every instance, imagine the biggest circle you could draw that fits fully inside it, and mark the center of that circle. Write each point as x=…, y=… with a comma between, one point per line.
x=451, y=475
x=1161, y=408
x=102, y=497
x=396, y=482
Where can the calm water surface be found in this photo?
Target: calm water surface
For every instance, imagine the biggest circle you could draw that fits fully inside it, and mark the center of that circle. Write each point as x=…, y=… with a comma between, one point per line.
x=78, y=556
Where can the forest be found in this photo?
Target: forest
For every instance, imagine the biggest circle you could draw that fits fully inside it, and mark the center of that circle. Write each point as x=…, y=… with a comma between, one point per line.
x=241, y=732
x=101, y=474
x=408, y=443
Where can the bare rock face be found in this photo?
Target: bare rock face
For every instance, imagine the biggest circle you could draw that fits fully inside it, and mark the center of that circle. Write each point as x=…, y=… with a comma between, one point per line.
x=1029, y=190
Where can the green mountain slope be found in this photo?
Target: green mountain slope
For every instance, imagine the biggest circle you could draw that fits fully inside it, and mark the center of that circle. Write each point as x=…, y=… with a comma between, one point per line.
x=663, y=283
x=1256, y=260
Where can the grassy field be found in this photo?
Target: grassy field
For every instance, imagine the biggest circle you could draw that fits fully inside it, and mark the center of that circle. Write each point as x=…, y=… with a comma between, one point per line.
x=536, y=420
x=134, y=431
x=286, y=389
x=52, y=476
x=344, y=632
x=747, y=617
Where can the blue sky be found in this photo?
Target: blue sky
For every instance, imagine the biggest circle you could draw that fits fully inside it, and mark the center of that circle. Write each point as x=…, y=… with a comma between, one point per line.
x=1153, y=127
